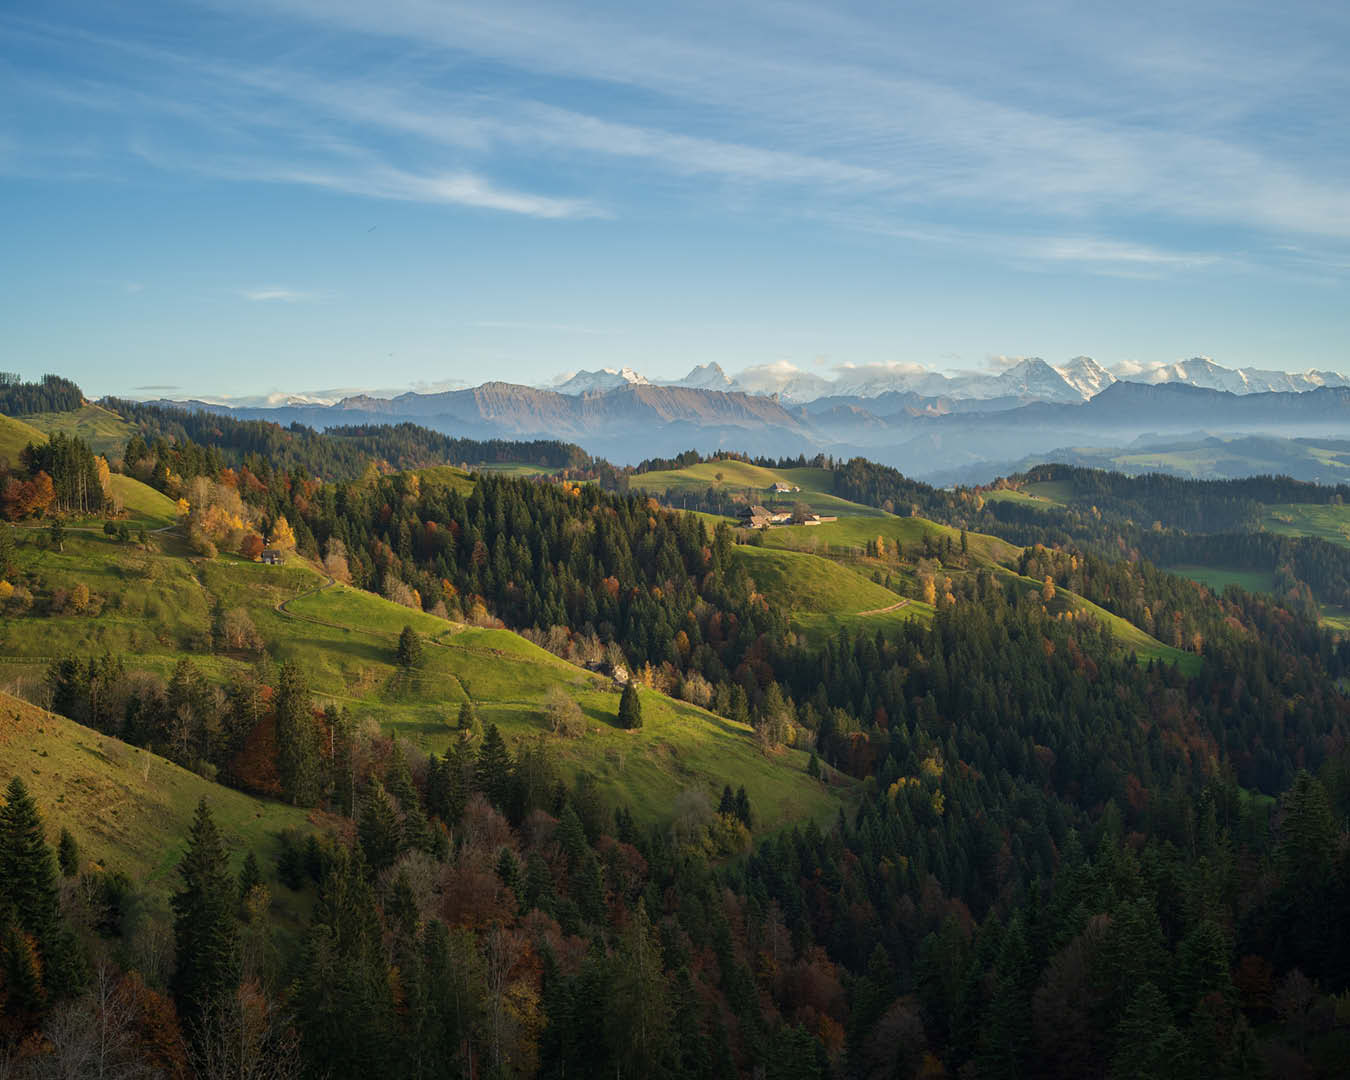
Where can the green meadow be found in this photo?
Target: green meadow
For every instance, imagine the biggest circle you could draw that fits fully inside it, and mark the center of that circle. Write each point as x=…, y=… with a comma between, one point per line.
x=157, y=606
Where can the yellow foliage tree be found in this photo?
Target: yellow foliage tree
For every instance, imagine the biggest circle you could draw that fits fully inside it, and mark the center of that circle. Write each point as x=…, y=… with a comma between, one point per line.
x=929, y=589
x=282, y=536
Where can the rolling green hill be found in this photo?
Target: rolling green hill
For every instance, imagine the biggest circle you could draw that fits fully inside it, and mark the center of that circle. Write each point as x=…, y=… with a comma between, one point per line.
x=447, y=476
x=14, y=436
x=156, y=607
x=825, y=601
x=824, y=596
x=804, y=582
x=127, y=808
x=754, y=481
x=1327, y=521
x=144, y=505
x=104, y=431
x=850, y=536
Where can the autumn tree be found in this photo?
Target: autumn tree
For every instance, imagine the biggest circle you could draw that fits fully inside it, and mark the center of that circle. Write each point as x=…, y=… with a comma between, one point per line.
x=282, y=536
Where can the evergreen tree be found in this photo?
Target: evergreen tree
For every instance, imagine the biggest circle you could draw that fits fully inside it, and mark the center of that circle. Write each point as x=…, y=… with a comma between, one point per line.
x=630, y=708
x=28, y=882
x=409, y=651
x=492, y=774
x=249, y=876
x=378, y=829
x=743, y=812
x=68, y=854
x=206, y=951
x=298, y=760
x=22, y=972
x=638, y=1017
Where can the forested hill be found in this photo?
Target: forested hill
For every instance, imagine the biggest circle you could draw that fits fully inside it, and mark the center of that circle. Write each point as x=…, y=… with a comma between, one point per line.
x=1055, y=856
x=51, y=394
x=340, y=453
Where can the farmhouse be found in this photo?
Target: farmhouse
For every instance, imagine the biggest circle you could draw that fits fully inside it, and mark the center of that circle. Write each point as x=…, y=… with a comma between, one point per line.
x=755, y=517
x=782, y=487
x=271, y=556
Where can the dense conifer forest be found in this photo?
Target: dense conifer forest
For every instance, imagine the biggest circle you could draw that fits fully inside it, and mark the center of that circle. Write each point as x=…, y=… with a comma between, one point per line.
x=1053, y=857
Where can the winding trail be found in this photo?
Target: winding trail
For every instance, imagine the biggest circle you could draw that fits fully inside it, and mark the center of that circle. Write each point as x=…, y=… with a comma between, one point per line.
x=882, y=610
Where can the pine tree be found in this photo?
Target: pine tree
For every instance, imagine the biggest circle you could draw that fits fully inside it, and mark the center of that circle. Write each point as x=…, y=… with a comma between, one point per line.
x=298, y=760
x=630, y=708
x=206, y=947
x=492, y=774
x=409, y=652
x=249, y=876
x=28, y=883
x=743, y=811
x=378, y=829
x=639, y=1015
x=68, y=854
x=21, y=972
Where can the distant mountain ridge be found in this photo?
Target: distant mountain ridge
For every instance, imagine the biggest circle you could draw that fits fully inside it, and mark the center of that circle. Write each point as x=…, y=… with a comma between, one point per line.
x=977, y=425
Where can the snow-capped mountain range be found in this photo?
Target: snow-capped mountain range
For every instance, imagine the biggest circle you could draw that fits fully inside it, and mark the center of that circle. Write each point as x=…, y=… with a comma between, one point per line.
x=1028, y=379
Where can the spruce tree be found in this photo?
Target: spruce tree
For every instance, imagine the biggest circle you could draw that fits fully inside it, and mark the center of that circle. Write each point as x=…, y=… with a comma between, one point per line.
x=298, y=759
x=378, y=829
x=630, y=708
x=249, y=876
x=28, y=883
x=207, y=967
x=492, y=774
x=409, y=652
x=638, y=1018
x=68, y=854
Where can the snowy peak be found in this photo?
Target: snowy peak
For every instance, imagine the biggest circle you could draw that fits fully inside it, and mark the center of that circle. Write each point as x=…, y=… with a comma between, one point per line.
x=587, y=382
x=1034, y=378
x=709, y=376
x=1204, y=372
x=1086, y=376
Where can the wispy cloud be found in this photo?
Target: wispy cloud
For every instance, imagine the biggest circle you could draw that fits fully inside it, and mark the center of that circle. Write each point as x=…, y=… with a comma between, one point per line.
x=560, y=328
x=273, y=294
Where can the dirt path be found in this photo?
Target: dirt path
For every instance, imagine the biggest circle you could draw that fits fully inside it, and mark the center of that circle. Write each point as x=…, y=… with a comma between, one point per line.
x=882, y=610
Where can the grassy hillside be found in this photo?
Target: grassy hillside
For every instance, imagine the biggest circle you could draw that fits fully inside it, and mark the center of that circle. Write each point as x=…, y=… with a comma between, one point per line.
x=104, y=431
x=824, y=596
x=850, y=535
x=128, y=809
x=447, y=476
x=1309, y=519
x=144, y=505
x=804, y=582
x=1218, y=578
x=756, y=483
x=157, y=606
x=14, y=436
x=846, y=540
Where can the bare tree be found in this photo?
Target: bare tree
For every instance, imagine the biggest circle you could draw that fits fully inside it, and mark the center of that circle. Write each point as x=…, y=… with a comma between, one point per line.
x=246, y=1037
x=93, y=1037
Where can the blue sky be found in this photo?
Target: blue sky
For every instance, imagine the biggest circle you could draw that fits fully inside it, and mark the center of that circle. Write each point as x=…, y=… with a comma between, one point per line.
x=259, y=195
